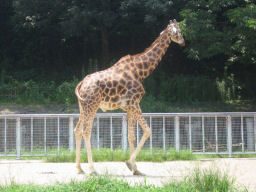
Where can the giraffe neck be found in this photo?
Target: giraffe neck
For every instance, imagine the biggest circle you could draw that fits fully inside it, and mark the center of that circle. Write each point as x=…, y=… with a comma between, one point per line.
x=146, y=62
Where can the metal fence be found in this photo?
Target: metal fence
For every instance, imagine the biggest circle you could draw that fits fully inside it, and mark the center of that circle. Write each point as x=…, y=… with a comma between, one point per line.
x=202, y=133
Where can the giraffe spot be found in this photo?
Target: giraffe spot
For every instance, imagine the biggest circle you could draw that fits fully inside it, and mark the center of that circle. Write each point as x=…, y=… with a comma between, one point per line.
x=135, y=84
x=107, y=90
x=141, y=73
x=149, y=54
x=162, y=45
x=154, y=55
x=145, y=64
x=159, y=52
x=135, y=74
x=115, y=99
x=127, y=68
x=145, y=73
x=151, y=69
x=134, y=90
x=122, y=82
x=164, y=37
x=126, y=76
x=152, y=60
x=98, y=83
x=155, y=49
x=144, y=58
x=129, y=85
x=128, y=60
x=137, y=59
x=115, y=83
x=92, y=97
x=112, y=92
x=102, y=85
x=123, y=92
x=117, y=70
x=96, y=90
x=139, y=65
x=119, y=88
x=136, y=96
x=107, y=98
x=109, y=84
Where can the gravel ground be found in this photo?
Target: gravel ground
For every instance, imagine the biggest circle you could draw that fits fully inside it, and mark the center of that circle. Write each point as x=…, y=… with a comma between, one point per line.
x=38, y=172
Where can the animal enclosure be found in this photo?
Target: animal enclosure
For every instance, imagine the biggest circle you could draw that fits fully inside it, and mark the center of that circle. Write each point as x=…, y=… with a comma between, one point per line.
x=202, y=133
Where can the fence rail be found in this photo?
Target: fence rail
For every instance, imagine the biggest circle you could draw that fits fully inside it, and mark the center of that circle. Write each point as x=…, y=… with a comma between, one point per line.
x=202, y=133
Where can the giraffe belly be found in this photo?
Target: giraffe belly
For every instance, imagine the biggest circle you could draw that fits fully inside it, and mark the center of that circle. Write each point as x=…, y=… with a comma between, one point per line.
x=121, y=103
x=104, y=106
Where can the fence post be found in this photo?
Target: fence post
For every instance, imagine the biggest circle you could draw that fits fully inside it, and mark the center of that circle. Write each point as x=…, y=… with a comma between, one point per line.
x=190, y=133
x=203, y=134
x=164, y=133
x=58, y=125
x=45, y=149
x=254, y=124
x=71, y=134
x=18, y=137
x=177, y=133
x=124, y=133
x=111, y=133
x=150, y=138
x=31, y=132
x=5, y=136
x=229, y=137
x=216, y=133
x=98, y=133
x=242, y=132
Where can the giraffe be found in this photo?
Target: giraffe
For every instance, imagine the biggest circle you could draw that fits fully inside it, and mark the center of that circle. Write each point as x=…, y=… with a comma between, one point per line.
x=120, y=87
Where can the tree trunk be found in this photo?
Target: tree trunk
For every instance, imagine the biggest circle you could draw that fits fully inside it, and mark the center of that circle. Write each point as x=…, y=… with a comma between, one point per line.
x=104, y=47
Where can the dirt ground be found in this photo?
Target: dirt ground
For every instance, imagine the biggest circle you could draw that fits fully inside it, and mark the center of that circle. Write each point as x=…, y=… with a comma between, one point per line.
x=38, y=172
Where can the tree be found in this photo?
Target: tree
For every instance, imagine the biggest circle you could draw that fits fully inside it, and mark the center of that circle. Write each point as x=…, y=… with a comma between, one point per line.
x=221, y=34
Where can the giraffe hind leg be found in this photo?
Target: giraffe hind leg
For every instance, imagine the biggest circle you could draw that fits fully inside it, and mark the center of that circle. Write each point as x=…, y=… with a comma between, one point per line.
x=78, y=137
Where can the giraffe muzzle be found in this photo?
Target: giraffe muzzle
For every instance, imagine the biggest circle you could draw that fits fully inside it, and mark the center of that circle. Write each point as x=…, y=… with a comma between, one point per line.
x=183, y=44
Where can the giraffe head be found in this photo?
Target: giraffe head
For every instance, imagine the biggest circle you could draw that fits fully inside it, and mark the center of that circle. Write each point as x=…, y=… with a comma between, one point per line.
x=174, y=33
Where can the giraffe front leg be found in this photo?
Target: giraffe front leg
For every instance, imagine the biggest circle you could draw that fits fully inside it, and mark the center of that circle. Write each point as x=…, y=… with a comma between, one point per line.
x=131, y=138
x=146, y=133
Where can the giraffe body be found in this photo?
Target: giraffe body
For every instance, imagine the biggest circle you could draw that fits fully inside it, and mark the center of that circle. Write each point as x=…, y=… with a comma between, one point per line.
x=120, y=87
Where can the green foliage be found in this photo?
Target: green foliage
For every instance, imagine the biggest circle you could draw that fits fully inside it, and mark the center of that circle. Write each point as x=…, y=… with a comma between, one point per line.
x=54, y=41
x=105, y=154
x=31, y=92
x=198, y=181
x=188, y=89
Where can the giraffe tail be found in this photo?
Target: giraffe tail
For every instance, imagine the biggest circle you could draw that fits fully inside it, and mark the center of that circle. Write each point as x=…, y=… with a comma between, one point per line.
x=77, y=91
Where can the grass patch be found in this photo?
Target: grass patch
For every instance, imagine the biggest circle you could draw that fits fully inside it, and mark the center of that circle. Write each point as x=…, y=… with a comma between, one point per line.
x=105, y=154
x=198, y=181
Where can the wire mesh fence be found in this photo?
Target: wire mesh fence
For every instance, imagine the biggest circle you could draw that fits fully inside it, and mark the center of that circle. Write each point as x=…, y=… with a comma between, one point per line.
x=202, y=133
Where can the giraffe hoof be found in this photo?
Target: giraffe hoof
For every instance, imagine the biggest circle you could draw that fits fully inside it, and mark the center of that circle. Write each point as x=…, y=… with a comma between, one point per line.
x=137, y=172
x=129, y=165
x=93, y=173
x=80, y=171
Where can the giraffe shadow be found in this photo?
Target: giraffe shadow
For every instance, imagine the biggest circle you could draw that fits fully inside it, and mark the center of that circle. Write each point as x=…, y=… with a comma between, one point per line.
x=137, y=176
